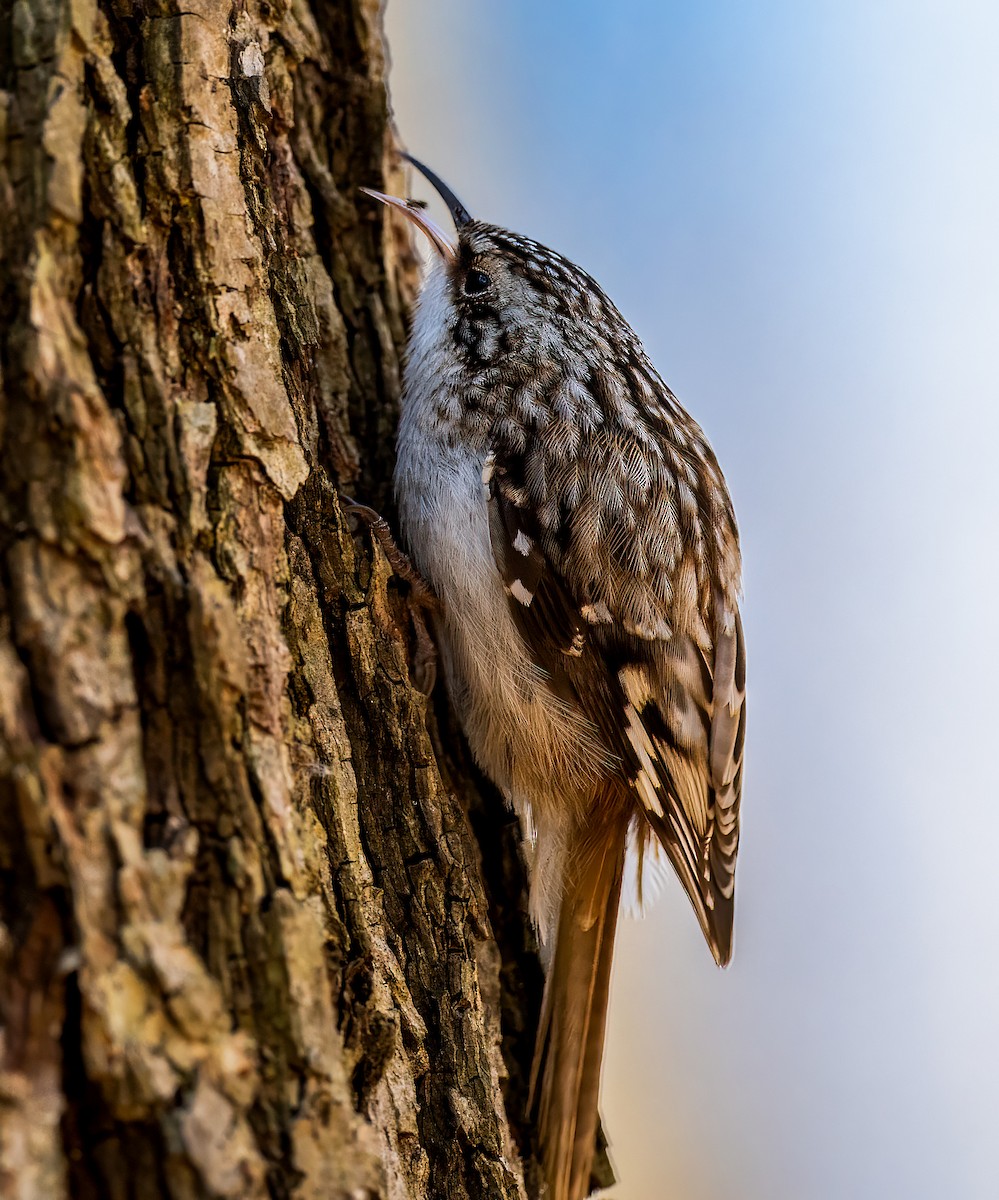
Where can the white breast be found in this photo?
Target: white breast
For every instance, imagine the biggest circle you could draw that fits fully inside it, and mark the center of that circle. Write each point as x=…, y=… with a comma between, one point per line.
x=528, y=741
x=541, y=751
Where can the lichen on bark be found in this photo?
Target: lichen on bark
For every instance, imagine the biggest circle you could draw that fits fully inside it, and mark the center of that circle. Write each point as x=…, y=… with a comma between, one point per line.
x=250, y=945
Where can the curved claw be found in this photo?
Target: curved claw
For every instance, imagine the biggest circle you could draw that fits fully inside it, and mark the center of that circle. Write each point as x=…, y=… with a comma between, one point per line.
x=421, y=595
x=425, y=655
x=366, y=513
x=421, y=592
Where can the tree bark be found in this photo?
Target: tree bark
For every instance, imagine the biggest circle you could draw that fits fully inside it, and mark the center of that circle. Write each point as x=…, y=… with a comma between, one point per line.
x=264, y=931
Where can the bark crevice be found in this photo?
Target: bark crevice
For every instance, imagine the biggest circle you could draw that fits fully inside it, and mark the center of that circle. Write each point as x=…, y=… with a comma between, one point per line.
x=246, y=945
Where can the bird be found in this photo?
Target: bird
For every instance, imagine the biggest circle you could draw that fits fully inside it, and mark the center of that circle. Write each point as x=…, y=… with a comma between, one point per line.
x=577, y=534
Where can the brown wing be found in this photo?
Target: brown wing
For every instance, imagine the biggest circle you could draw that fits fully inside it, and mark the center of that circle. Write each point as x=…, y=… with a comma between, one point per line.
x=671, y=708
x=689, y=739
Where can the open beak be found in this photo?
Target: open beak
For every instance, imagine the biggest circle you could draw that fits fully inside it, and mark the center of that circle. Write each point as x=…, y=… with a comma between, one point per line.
x=438, y=238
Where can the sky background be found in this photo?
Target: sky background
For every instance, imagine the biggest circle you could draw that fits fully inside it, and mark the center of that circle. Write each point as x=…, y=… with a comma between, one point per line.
x=797, y=208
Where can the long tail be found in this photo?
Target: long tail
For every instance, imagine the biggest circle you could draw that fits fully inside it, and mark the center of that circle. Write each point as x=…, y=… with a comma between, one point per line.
x=574, y=1015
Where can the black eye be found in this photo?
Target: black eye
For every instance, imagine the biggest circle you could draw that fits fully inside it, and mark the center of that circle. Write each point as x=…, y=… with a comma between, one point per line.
x=475, y=282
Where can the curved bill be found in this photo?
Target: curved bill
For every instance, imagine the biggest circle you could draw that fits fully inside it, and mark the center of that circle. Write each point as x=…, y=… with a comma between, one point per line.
x=438, y=238
x=459, y=213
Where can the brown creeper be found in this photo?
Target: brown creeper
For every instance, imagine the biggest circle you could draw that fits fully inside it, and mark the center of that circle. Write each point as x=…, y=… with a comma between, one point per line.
x=576, y=529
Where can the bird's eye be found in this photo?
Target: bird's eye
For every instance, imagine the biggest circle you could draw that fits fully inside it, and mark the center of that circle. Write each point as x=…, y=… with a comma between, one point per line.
x=475, y=282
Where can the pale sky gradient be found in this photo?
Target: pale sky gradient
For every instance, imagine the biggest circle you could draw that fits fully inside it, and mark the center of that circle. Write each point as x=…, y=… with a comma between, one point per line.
x=797, y=207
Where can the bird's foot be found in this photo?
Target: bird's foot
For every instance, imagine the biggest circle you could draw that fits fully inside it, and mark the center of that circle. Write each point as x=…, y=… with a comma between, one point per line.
x=421, y=596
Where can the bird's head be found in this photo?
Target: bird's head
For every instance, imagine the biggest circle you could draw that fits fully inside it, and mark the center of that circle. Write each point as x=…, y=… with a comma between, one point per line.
x=500, y=299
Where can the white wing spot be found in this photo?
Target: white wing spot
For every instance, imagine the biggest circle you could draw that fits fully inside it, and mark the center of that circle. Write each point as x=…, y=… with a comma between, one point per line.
x=576, y=647
x=597, y=614
x=647, y=790
x=635, y=684
x=522, y=543
x=519, y=592
x=660, y=632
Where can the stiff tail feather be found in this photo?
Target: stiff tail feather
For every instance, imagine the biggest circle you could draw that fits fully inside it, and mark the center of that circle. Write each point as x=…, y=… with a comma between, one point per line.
x=574, y=1014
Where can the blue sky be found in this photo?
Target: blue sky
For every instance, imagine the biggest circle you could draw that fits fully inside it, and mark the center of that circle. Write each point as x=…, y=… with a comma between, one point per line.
x=795, y=205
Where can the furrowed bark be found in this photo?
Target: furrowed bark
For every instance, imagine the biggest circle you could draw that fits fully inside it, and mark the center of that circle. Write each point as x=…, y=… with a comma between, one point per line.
x=250, y=944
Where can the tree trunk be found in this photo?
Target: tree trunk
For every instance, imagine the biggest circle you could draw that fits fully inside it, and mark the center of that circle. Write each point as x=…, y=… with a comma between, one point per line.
x=250, y=946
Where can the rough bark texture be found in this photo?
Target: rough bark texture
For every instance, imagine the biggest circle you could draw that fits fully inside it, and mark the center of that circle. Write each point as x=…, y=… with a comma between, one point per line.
x=250, y=945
